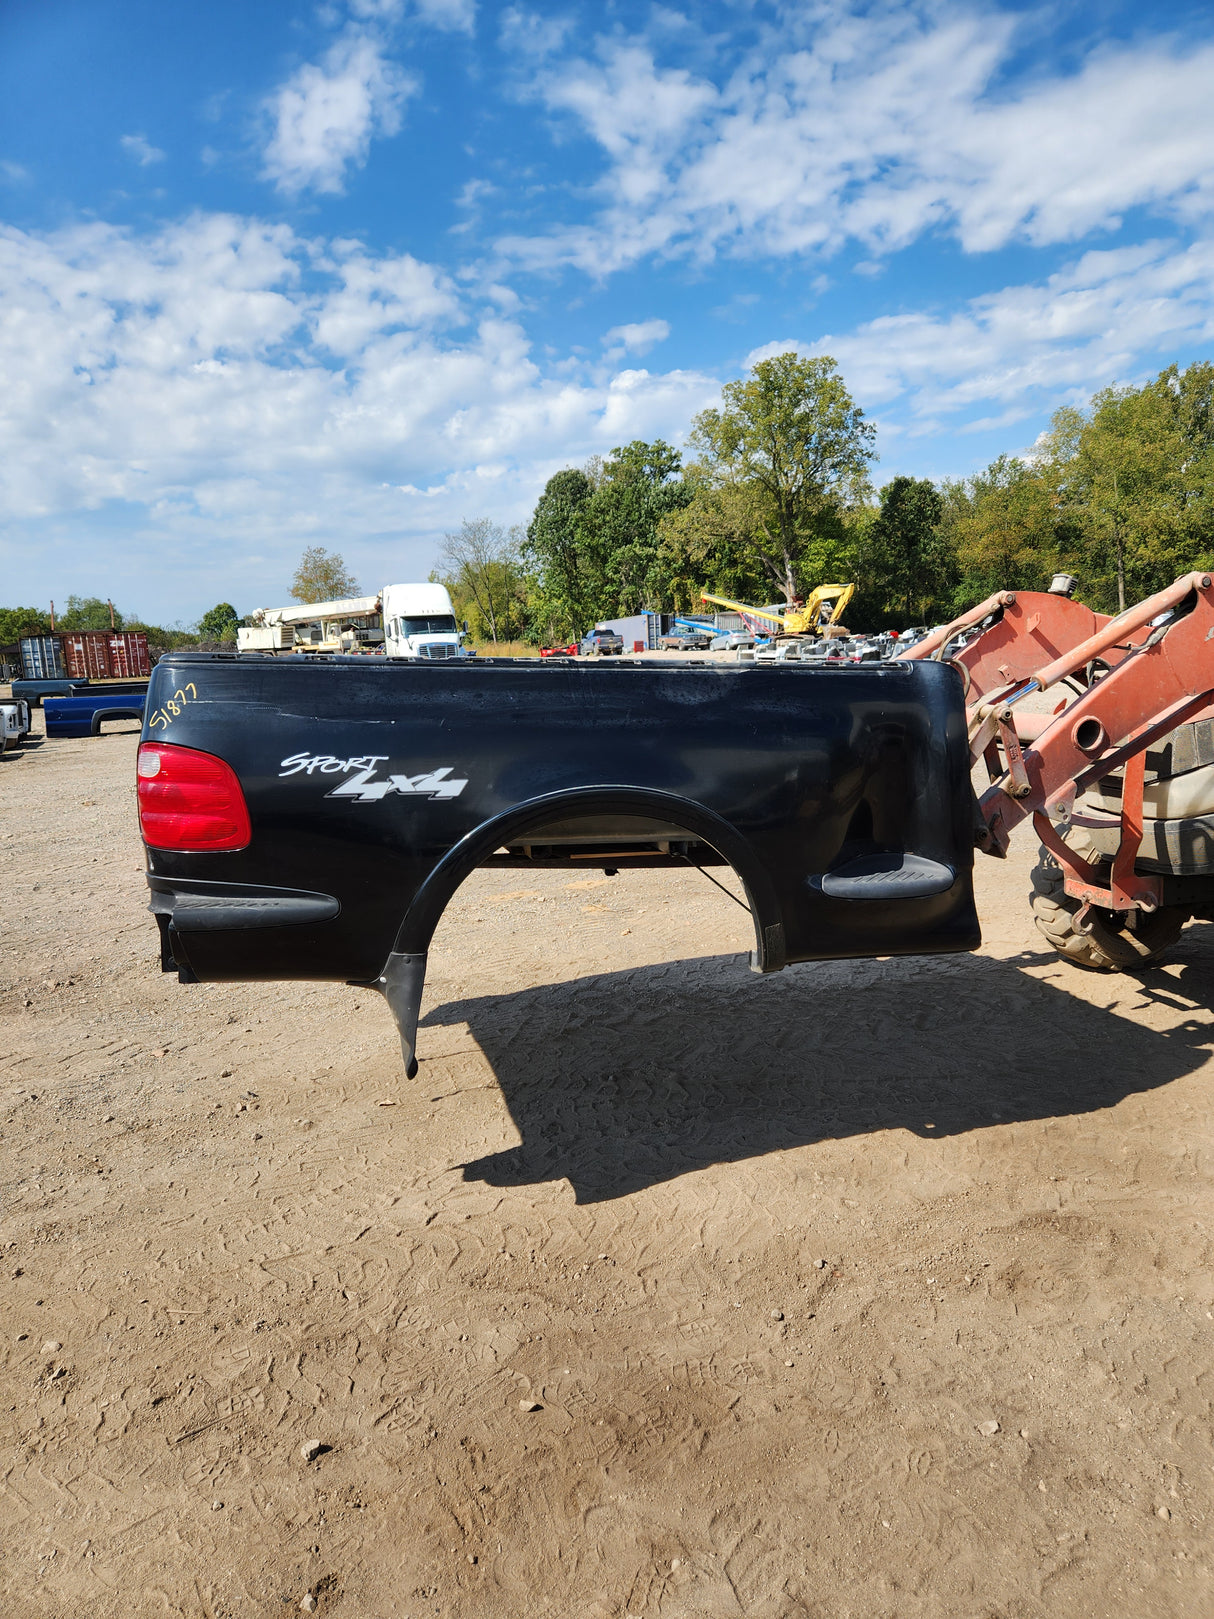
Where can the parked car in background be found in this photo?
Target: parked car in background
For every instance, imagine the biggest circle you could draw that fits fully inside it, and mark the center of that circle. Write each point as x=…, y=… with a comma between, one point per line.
x=602, y=641
x=905, y=639
x=731, y=641
x=685, y=641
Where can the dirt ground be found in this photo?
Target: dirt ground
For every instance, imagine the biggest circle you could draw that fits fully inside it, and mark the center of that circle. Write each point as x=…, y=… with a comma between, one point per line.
x=874, y=1289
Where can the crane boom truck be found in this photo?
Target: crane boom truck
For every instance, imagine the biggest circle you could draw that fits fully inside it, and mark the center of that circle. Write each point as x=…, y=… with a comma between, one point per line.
x=819, y=614
x=404, y=621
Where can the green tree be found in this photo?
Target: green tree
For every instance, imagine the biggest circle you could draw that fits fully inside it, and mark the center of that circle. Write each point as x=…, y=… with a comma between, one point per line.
x=557, y=547
x=594, y=542
x=638, y=488
x=1004, y=526
x=1134, y=482
x=18, y=621
x=322, y=576
x=708, y=544
x=906, y=551
x=793, y=432
x=162, y=639
x=219, y=624
x=88, y=613
x=486, y=580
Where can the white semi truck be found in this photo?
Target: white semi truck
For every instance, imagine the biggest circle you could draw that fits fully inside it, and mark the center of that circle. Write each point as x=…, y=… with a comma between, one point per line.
x=419, y=622
x=403, y=621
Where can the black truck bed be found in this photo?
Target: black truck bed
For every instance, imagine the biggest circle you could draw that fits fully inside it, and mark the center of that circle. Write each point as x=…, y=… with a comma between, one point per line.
x=840, y=795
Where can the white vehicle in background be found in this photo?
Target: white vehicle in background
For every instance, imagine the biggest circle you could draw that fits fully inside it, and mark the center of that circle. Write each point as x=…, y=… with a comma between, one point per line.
x=14, y=723
x=336, y=626
x=403, y=621
x=419, y=622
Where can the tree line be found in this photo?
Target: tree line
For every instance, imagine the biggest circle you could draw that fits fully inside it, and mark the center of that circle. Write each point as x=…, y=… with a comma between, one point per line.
x=86, y=613
x=777, y=497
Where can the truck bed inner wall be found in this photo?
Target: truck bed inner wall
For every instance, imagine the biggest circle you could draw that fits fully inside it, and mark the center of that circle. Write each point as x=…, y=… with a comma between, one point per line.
x=811, y=766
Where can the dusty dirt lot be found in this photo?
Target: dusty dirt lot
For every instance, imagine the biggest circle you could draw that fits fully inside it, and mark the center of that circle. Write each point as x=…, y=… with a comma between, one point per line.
x=873, y=1289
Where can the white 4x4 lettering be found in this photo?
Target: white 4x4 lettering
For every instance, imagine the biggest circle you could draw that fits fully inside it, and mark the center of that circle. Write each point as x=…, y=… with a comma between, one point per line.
x=363, y=789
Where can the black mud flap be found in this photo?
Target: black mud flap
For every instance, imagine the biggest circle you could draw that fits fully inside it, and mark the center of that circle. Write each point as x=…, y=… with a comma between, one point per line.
x=401, y=984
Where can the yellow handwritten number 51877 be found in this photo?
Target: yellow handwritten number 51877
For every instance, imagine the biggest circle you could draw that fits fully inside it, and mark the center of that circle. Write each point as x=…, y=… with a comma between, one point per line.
x=179, y=700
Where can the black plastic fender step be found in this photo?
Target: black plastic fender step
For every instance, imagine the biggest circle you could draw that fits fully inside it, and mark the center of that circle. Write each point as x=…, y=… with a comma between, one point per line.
x=886, y=876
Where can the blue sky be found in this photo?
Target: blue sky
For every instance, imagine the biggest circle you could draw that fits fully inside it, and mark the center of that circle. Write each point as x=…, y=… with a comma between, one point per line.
x=278, y=274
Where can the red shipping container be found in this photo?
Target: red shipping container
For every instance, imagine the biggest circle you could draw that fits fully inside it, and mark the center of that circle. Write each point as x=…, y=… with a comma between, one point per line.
x=85, y=655
x=128, y=653
x=106, y=654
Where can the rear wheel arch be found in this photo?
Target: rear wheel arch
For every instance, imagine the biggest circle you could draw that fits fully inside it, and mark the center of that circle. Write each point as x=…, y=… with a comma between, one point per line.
x=432, y=898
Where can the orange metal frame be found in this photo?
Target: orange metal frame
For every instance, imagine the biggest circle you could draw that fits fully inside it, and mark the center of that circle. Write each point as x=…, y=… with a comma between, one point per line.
x=1157, y=677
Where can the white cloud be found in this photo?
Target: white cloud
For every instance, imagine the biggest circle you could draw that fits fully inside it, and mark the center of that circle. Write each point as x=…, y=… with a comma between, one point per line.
x=631, y=107
x=243, y=391
x=530, y=35
x=238, y=390
x=875, y=126
x=376, y=11
x=141, y=149
x=374, y=298
x=452, y=16
x=325, y=116
x=637, y=337
x=455, y=16
x=14, y=173
x=1028, y=348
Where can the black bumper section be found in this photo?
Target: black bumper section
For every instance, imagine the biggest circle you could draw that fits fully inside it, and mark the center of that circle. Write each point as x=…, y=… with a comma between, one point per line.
x=184, y=905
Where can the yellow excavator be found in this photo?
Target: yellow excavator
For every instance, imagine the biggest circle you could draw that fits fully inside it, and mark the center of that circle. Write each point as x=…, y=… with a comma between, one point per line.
x=819, y=614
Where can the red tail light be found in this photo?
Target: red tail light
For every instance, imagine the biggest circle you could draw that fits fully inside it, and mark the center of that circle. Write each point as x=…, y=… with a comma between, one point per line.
x=189, y=800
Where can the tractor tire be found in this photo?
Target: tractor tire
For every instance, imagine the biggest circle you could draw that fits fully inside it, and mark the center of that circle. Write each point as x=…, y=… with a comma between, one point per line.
x=1109, y=944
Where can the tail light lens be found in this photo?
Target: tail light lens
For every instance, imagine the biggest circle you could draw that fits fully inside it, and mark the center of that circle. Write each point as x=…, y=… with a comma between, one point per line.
x=189, y=800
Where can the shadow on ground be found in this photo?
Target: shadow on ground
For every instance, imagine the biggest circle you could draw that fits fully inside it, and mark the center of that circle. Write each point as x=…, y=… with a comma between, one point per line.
x=29, y=745
x=626, y=1080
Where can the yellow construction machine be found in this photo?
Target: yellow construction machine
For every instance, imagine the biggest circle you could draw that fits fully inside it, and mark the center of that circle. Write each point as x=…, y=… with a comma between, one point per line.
x=818, y=615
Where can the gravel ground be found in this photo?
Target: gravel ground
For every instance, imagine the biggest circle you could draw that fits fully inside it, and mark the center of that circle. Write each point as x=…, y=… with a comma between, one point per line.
x=870, y=1289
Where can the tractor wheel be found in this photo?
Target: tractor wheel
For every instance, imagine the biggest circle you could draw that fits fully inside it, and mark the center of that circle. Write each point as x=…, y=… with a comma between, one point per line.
x=1109, y=944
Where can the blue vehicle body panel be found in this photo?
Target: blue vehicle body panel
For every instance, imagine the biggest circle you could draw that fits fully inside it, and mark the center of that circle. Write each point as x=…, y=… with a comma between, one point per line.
x=34, y=691
x=85, y=714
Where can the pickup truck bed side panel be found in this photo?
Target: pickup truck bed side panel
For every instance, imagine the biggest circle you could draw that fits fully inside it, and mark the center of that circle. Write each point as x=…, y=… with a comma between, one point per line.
x=374, y=785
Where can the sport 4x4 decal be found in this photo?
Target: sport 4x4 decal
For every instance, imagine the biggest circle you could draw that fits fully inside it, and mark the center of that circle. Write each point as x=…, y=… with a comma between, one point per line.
x=361, y=783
